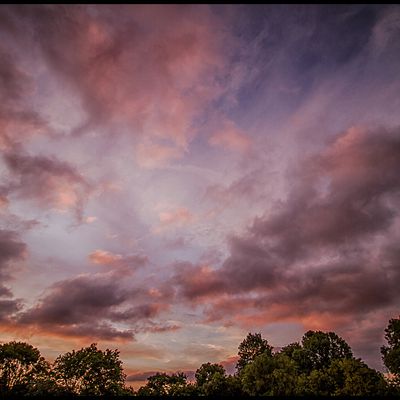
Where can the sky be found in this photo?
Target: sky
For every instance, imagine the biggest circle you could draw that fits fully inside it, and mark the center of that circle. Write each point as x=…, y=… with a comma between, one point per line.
x=174, y=177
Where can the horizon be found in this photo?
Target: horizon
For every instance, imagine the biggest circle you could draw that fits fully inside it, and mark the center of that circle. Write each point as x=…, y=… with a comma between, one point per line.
x=176, y=176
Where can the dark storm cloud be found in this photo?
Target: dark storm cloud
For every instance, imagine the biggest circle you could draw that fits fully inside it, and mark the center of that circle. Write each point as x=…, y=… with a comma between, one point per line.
x=88, y=306
x=321, y=251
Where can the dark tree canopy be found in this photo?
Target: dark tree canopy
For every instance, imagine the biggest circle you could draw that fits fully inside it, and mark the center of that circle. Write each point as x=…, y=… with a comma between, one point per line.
x=211, y=380
x=251, y=347
x=270, y=375
x=322, y=348
x=322, y=364
x=299, y=355
x=207, y=371
x=162, y=384
x=21, y=368
x=90, y=371
x=391, y=352
x=352, y=377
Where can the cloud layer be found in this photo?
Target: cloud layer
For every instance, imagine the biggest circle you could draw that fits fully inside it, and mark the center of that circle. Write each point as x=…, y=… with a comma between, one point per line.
x=326, y=255
x=192, y=172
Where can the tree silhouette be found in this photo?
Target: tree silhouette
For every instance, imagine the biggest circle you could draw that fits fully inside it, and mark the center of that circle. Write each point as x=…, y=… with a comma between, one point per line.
x=90, y=371
x=322, y=348
x=211, y=380
x=391, y=352
x=322, y=364
x=251, y=347
x=22, y=368
x=270, y=375
x=162, y=384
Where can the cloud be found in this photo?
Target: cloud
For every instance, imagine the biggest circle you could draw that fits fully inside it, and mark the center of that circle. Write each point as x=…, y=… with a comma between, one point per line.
x=177, y=243
x=142, y=376
x=173, y=218
x=8, y=307
x=324, y=255
x=154, y=155
x=155, y=81
x=12, y=250
x=46, y=181
x=91, y=305
x=230, y=364
x=18, y=121
x=178, y=216
x=121, y=264
x=231, y=137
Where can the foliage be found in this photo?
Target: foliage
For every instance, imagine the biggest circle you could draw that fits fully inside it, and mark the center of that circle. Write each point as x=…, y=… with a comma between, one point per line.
x=251, y=347
x=322, y=348
x=211, y=380
x=162, y=384
x=391, y=353
x=352, y=377
x=321, y=365
x=299, y=355
x=90, y=371
x=22, y=368
x=270, y=375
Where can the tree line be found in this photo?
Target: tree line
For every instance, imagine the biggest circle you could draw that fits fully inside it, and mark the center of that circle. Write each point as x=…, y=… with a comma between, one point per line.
x=321, y=364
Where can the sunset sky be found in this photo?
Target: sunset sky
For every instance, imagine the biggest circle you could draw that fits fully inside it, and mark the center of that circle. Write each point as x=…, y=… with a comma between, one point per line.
x=174, y=177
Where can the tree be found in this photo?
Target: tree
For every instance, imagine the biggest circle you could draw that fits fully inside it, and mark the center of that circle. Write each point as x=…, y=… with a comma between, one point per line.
x=299, y=355
x=251, y=347
x=162, y=384
x=391, y=353
x=344, y=377
x=22, y=368
x=211, y=380
x=316, y=383
x=91, y=371
x=270, y=375
x=322, y=348
x=352, y=377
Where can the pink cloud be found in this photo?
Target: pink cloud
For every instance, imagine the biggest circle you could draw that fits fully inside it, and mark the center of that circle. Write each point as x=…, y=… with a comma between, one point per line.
x=231, y=137
x=124, y=265
x=153, y=155
x=47, y=181
x=18, y=122
x=326, y=257
x=157, y=81
x=174, y=218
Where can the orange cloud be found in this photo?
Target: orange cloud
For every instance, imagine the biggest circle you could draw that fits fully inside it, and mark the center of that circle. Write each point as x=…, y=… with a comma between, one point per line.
x=3, y=202
x=104, y=257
